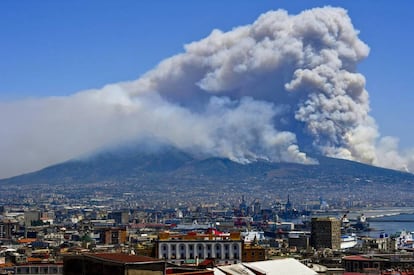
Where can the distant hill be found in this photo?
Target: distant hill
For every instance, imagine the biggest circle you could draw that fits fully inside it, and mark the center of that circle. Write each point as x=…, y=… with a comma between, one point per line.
x=171, y=165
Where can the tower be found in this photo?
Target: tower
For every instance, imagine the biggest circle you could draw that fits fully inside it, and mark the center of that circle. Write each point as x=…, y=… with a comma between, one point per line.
x=326, y=233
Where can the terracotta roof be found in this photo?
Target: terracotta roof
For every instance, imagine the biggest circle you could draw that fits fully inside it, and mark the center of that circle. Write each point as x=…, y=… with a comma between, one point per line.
x=6, y=265
x=26, y=240
x=122, y=257
x=362, y=258
x=33, y=259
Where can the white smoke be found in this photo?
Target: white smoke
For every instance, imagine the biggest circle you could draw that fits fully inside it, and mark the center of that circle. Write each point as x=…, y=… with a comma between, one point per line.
x=270, y=90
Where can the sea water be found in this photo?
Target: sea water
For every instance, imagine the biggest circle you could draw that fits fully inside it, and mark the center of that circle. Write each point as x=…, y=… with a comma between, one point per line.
x=391, y=224
x=389, y=220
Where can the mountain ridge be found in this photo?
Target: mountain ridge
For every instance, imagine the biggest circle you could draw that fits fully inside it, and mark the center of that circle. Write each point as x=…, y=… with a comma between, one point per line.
x=176, y=165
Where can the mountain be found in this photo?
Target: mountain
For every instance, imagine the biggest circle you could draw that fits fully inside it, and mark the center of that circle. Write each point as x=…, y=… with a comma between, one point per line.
x=167, y=175
x=174, y=166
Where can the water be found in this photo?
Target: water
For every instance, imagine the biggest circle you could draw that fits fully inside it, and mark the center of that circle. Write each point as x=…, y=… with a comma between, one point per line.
x=392, y=224
x=389, y=220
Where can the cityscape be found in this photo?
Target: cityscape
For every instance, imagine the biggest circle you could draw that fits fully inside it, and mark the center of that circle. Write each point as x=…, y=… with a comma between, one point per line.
x=206, y=137
x=59, y=230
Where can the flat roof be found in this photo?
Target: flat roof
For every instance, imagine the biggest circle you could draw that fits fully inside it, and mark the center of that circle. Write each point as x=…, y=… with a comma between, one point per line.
x=363, y=258
x=122, y=258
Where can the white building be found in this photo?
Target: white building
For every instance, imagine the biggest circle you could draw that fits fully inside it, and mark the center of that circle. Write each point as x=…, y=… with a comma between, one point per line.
x=192, y=248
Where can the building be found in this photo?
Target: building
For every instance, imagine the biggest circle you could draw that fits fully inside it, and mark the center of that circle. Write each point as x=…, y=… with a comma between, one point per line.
x=48, y=268
x=112, y=264
x=299, y=239
x=114, y=235
x=120, y=217
x=379, y=262
x=382, y=244
x=192, y=248
x=8, y=229
x=326, y=233
x=253, y=253
x=31, y=217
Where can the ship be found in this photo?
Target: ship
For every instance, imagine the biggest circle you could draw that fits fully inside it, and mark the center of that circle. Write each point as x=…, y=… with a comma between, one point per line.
x=405, y=240
x=362, y=224
x=348, y=241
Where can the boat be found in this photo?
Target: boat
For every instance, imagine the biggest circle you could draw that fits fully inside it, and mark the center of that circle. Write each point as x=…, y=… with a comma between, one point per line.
x=362, y=224
x=348, y=241
x=405, y=240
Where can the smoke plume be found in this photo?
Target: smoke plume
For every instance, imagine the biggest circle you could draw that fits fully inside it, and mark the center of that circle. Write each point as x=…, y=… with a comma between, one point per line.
x=282, y=88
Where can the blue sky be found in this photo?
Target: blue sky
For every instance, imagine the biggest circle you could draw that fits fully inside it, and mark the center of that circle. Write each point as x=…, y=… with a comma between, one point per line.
x=52, y=48
x=56, y=48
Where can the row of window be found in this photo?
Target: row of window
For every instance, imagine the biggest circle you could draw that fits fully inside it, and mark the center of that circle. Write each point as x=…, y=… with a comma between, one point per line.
x=39, y=270
x=225, y=262
x=200, y=256
x=200, y=247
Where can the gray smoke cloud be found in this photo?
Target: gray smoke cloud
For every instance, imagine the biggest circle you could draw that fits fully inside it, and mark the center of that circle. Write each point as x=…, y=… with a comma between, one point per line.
x=278, y=89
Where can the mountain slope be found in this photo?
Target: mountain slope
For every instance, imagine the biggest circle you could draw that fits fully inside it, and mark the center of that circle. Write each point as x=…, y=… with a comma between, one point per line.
x=171, y=165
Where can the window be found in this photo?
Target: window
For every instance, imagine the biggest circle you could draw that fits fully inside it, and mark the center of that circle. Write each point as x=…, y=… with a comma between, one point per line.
x=355, y=266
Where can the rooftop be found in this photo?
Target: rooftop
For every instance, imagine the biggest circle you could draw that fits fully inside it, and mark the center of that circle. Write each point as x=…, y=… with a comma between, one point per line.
x=122, y=258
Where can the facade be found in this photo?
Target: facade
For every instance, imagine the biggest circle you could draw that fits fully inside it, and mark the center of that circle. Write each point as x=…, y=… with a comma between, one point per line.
x=112, y=264
x=8, y=227
x=193, y=248
x=26, y=269
x=379, y=262
x=120, y=217
x=379, y=244
x=299, y=239
x=326, y=233
x=30, y=217
x=114, y=235
x=253, y=253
